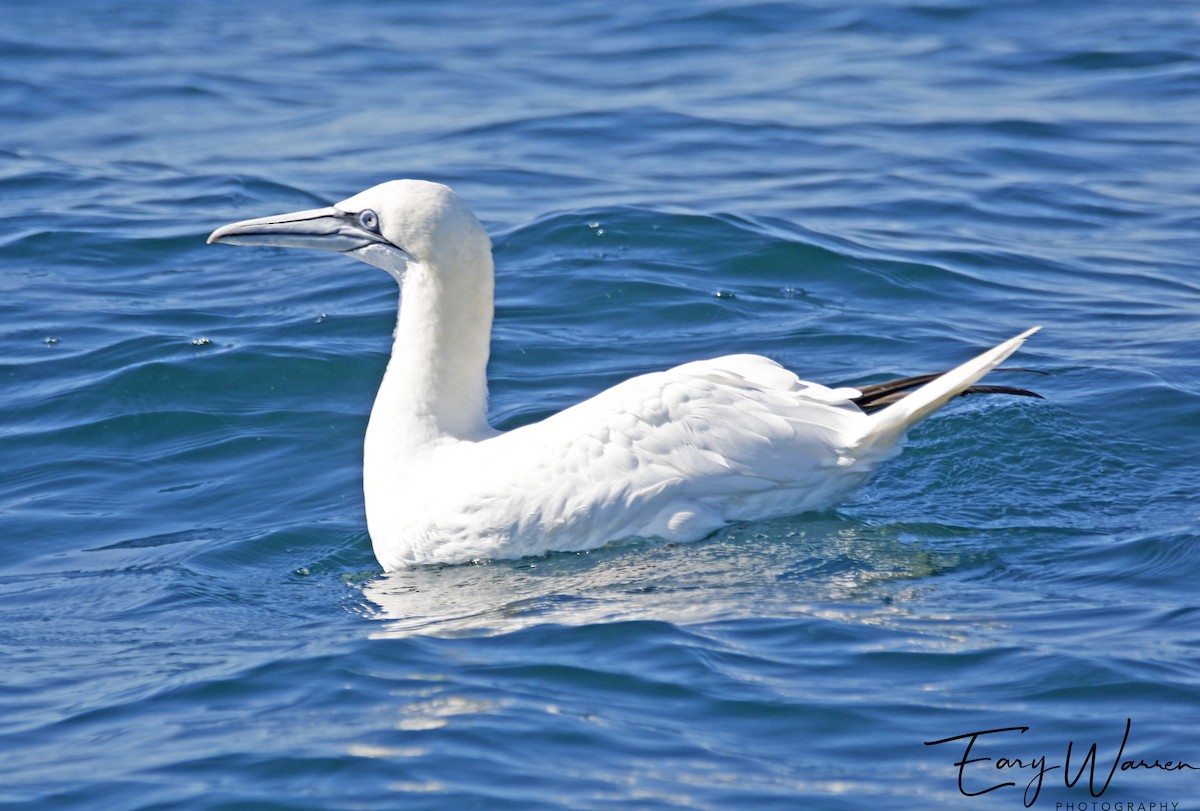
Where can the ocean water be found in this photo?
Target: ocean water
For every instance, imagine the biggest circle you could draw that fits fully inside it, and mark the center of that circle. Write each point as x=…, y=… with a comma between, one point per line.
x=190, y=613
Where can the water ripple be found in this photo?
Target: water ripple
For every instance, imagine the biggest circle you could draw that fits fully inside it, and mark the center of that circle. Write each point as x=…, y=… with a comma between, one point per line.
x=190, y=613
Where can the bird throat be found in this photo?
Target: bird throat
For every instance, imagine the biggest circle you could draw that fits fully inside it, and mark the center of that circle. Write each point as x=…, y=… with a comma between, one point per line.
x=435, y=386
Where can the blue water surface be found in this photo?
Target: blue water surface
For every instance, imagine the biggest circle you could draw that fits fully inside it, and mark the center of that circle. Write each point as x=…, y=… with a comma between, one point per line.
x=190, y=613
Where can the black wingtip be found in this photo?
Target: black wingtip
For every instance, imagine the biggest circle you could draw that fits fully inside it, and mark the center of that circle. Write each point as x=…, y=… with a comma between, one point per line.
x=876, y=396
x=1002, y=390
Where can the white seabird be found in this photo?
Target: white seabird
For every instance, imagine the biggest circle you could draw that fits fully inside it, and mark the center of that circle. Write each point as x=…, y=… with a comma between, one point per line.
x=673, y=455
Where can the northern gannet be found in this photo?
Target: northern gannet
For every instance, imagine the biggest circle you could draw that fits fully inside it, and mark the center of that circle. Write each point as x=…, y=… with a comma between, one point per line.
x=673, y=455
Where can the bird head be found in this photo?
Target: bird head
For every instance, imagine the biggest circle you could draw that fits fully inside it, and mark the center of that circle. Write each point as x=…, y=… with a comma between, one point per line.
x=392, y=226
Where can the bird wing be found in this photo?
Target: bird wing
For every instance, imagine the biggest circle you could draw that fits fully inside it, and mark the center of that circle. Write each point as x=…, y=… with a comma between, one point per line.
x=673, y=454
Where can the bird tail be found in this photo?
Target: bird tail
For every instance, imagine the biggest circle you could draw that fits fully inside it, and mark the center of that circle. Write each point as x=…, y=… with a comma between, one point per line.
x=887, y=426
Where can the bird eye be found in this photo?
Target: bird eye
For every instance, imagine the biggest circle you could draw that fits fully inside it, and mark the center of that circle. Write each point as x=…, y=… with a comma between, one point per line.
x=368, y=219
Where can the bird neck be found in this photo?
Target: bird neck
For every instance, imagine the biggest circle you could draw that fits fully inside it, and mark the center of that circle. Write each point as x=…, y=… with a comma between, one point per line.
x=435, y=386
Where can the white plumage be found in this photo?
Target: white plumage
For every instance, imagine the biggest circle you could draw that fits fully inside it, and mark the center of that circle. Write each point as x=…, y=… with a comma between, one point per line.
x=674, y=455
